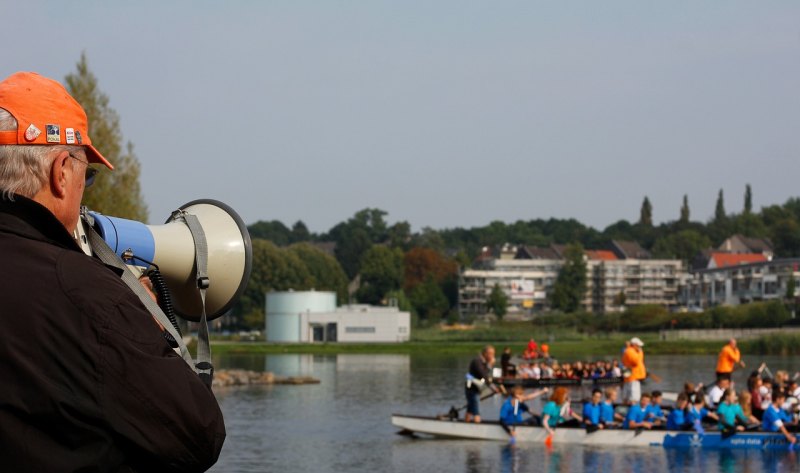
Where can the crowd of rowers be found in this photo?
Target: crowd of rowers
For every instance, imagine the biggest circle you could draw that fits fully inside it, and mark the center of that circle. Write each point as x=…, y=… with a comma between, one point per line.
x=769, y=402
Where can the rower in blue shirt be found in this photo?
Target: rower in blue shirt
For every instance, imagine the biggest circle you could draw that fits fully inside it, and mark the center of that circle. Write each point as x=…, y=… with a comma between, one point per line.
x=678, y=417
x=592, y=412
x=635, y=418
x=653, y=412
x=774, y=417
x=607, y=414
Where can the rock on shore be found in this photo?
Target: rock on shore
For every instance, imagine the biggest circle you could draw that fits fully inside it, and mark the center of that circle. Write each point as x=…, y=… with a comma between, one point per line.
x=223, y=378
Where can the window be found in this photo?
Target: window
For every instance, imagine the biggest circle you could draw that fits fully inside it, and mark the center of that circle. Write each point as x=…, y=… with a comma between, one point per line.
x=359, y=329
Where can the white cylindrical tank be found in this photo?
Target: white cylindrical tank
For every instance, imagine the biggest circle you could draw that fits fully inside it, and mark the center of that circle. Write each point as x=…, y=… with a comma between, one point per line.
x=284, y=309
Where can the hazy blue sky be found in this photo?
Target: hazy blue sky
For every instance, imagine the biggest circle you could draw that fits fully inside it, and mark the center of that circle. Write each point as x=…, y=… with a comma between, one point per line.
x=443, y=113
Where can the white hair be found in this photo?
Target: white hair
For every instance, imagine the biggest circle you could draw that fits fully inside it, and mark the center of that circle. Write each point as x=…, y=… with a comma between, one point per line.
x=24, y=169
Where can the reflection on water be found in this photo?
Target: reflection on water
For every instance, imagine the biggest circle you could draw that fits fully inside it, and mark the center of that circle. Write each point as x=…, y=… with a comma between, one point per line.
x=343, y=423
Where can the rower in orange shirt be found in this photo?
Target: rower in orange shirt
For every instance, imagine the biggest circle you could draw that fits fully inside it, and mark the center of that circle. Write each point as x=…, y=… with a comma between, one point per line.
x=728, y=358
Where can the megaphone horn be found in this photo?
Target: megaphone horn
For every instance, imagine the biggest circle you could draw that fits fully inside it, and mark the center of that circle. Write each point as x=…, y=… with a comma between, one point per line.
x=171, y=248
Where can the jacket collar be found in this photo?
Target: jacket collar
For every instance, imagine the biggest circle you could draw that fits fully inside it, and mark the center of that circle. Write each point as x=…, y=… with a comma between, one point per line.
x=30, y=219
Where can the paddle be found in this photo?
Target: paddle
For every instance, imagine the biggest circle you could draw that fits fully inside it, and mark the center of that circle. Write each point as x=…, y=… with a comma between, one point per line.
x=452, y=414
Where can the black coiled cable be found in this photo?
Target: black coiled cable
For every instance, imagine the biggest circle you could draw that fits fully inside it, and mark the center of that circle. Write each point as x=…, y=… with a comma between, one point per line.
x=164, y=301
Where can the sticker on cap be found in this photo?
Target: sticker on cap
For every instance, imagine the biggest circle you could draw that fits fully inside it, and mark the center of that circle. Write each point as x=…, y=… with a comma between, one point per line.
x=78, y=137
x=53, y=133
x=69, y=134
x=32, y=132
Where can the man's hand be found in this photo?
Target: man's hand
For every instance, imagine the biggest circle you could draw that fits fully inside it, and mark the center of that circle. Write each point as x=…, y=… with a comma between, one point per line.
x=148, y=286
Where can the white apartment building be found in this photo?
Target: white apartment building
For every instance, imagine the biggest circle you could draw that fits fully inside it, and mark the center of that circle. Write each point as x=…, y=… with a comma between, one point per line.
x=527, y=276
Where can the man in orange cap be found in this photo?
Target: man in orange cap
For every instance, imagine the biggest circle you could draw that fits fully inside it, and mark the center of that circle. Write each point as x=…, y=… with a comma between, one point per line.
x=635, y=371
x=90, y=383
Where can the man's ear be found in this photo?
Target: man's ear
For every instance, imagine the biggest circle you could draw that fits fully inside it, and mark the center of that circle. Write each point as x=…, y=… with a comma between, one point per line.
x=58, y=175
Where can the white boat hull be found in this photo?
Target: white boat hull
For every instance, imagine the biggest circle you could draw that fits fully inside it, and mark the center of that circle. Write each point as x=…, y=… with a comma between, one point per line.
x=579, y=436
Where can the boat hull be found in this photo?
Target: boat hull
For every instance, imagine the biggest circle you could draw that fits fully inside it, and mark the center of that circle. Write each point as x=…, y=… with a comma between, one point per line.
x=610, y=437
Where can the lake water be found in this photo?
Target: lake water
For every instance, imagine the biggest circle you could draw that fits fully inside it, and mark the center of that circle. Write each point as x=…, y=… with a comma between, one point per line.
x=343, y=423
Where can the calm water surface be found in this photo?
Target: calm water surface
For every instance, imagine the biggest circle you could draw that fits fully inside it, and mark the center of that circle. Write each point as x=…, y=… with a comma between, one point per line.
x=343, y=423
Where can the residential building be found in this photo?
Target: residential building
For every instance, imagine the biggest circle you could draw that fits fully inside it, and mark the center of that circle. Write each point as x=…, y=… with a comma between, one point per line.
x=733, y=284
x=529, y=275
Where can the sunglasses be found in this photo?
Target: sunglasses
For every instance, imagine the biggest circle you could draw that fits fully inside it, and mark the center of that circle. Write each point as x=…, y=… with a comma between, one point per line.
x=91, y=172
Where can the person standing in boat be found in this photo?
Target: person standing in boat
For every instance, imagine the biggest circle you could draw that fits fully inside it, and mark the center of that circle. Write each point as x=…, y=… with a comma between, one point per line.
x=635, y=372
x=478, y=376
x=727, y=360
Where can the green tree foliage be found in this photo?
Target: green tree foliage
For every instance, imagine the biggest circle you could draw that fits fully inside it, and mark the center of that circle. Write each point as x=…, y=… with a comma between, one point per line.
x=570, y=286
x=497, y=302
x=790, y=288
x=117, y=192
x=399, y=235
x=748, y=200
x=785, y=235
x=300, y=232
x=685, y=210
x=719, y=209
x=428, y=299
x=381, y=272
x=357, y=235
x=646, y=213
x=326, y=273
x=683, y=245
x=274, y=269
x=273, y=230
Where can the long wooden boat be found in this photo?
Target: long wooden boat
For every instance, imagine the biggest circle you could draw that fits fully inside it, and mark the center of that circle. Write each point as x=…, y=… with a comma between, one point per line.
x=610, y=437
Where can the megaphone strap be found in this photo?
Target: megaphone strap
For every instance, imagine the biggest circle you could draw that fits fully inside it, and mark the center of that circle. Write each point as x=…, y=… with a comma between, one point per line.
x=203, y=367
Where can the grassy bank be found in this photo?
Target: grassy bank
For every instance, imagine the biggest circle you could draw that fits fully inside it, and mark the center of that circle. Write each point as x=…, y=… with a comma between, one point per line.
x=565, y=344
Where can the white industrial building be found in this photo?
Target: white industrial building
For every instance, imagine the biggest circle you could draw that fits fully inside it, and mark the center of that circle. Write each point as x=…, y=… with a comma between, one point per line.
x=312, y=316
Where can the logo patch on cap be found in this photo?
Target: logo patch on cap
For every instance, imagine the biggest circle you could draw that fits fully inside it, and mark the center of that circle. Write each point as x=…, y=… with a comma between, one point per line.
x=53, y=133
x=69, y=134
x=32, y=132
x=78, y=137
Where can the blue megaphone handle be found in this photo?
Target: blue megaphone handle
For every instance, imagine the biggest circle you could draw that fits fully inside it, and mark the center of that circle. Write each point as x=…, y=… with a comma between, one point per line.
x=122, y=235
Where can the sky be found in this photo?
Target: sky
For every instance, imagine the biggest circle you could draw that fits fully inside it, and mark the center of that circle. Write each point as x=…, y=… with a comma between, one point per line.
x=445, y=113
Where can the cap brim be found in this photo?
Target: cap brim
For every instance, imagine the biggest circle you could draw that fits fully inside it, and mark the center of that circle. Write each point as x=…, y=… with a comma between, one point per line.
x=94, y=156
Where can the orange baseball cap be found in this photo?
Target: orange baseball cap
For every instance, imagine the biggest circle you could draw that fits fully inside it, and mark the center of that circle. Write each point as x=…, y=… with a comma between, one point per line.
x=46, y=115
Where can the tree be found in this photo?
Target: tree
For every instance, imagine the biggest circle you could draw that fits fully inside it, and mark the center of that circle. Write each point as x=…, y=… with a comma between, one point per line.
x=419, y=263
x=116, y=193
x=790, y=287
x=497, y=302
x=785, y=235
x=300, y=232
x=570, y=285
x=274, y=231
x=274, y=269
x=326, y=273
x=748, y=199
x=429, y=300
x=719, y=210
x=685, y=209
x=683, y=245
x=646, y=213
x=352, y=244
x=381, y=272
x=355, y=236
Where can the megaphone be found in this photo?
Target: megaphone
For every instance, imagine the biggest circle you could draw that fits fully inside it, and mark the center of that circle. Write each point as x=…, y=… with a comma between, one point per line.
x=171, y=248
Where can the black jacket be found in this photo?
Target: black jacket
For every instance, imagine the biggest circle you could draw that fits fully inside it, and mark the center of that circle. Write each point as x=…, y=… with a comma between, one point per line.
x=87, y=382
